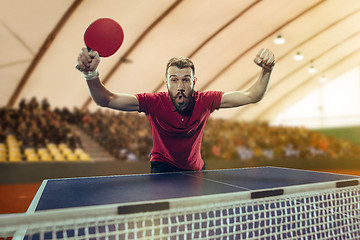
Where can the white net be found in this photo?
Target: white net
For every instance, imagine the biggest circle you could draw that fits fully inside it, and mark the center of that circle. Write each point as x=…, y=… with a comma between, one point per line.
x=298, y=213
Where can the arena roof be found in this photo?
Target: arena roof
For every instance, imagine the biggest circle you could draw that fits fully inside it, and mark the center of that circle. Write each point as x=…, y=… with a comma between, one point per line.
x=41, y=40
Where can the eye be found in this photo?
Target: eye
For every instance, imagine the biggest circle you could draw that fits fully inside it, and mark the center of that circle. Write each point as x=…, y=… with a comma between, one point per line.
x=186, y=79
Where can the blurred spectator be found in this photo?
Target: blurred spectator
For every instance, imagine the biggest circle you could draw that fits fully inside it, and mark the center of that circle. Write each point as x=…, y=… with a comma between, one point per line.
x=73, y=140
x=45, y=106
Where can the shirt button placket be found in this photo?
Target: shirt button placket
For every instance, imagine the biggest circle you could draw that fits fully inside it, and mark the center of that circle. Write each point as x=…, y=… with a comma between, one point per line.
x=182, y=122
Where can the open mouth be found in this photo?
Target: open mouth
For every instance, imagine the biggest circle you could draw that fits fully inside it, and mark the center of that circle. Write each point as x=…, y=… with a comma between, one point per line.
x=180, y=99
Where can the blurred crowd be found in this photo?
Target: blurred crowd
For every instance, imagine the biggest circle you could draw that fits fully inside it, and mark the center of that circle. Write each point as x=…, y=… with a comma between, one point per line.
x=34, y=124
x=226, y=139
x=128, y=135
x=124, y=135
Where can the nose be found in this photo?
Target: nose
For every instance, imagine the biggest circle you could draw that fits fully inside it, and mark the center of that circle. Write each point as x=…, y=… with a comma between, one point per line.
x=181, y=86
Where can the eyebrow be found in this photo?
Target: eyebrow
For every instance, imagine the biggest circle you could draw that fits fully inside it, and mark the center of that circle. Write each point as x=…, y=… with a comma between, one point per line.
x=178, y=76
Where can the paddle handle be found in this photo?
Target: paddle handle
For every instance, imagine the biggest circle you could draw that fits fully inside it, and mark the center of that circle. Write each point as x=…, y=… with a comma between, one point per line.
x=77, y=66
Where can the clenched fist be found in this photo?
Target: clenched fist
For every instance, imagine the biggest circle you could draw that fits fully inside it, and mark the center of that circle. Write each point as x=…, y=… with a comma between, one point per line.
x=265, y=59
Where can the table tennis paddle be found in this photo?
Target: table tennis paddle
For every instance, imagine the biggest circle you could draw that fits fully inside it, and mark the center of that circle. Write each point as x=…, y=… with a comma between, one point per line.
x=105, y=36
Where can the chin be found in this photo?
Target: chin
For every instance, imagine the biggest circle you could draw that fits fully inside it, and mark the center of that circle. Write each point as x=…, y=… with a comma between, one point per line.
x=181, y=109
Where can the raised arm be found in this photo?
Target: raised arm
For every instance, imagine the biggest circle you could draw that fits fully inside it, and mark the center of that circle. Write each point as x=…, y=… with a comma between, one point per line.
x=256, y=92
x=88, y=63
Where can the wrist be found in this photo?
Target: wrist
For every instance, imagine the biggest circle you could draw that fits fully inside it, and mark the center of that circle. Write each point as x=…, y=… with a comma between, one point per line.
x=90, y=75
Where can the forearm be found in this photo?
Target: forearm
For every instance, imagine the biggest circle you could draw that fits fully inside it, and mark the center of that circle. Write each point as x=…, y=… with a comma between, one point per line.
x=105, y=98
x=258, y=90
x=98, y=92
x=252, y=95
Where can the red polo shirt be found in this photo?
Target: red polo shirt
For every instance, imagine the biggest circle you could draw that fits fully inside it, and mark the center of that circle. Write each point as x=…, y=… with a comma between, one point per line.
x=176, y=137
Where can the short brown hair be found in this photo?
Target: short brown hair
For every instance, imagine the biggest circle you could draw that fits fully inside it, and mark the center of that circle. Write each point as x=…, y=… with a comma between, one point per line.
x=180, y=62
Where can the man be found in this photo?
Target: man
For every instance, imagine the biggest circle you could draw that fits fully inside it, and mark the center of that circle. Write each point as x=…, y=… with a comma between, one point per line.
x=177, y=117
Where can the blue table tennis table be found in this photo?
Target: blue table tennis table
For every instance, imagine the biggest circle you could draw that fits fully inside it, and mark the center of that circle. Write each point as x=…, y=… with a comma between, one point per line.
x=90, y=191
x=142, y=193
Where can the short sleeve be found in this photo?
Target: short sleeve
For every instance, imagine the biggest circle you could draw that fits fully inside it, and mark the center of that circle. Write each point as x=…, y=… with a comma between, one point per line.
x=213, y=99
x=143, y=99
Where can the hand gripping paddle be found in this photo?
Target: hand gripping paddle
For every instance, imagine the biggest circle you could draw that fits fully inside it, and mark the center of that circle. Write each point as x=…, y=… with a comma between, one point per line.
x=105, y=36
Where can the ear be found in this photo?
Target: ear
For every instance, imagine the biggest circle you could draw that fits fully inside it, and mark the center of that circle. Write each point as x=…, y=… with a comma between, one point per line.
x=166, y=82
x=195, y=80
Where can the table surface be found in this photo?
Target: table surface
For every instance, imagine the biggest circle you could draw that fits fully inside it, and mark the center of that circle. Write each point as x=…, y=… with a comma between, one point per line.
x=91, y=191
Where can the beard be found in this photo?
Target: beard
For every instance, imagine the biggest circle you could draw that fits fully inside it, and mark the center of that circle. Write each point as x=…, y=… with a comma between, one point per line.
x=180, y=100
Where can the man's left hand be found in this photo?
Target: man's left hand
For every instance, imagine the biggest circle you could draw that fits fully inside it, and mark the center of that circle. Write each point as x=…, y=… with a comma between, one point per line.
x=265, y=59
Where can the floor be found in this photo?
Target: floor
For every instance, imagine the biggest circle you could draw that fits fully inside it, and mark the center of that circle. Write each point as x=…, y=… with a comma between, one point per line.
x=15, y=198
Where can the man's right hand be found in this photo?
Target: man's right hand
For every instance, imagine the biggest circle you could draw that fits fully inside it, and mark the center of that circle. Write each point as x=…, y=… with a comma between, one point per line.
x=88, y=61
